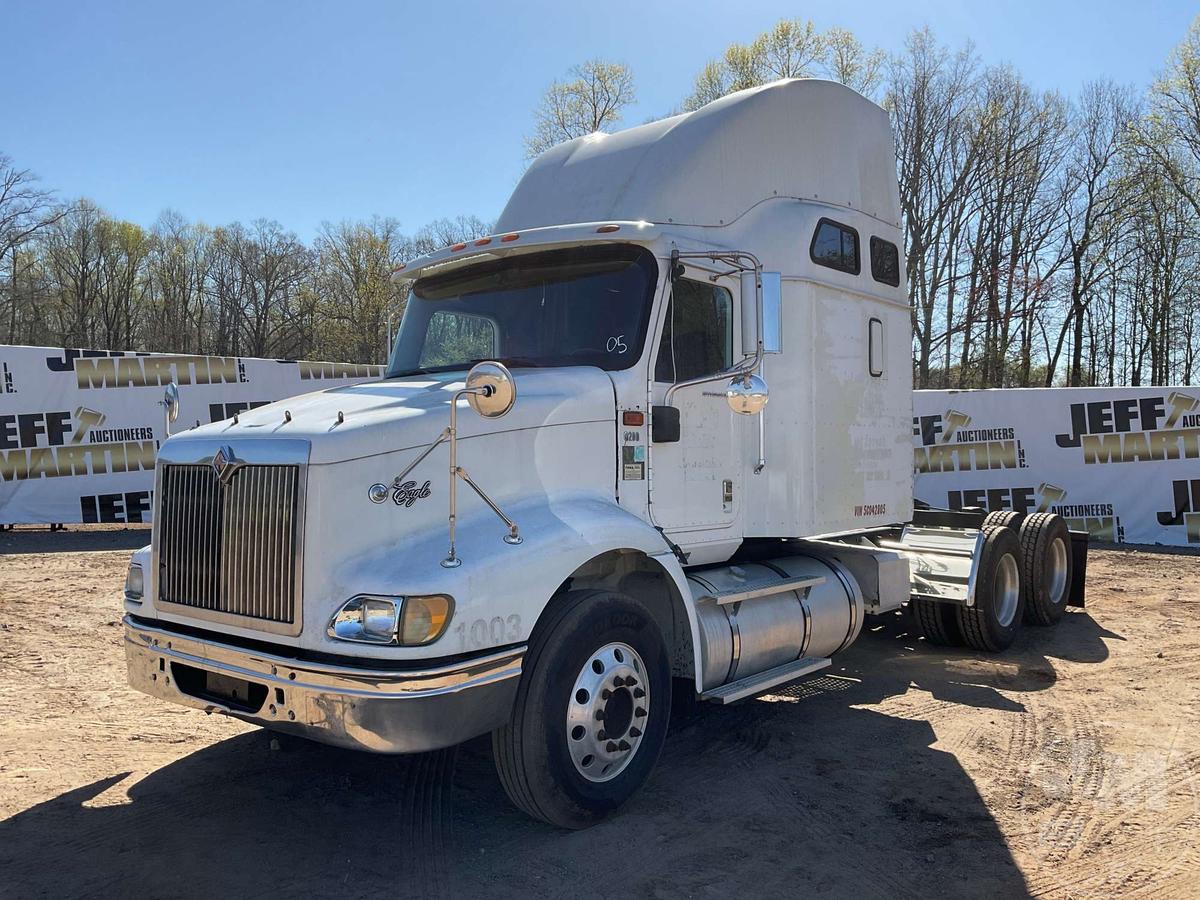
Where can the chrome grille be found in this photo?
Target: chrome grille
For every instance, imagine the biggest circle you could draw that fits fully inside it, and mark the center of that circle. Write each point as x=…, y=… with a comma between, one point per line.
x=230, y=549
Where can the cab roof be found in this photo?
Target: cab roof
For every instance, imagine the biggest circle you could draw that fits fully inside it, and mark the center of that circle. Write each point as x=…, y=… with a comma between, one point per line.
x=800, y=138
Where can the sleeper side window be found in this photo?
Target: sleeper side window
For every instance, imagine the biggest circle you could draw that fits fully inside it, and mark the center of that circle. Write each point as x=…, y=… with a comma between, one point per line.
x=885, y=262
x=697, y=336
x=836, y=246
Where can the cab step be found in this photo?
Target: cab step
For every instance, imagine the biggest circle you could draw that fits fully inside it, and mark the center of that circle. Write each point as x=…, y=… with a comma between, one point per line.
x=756, y=684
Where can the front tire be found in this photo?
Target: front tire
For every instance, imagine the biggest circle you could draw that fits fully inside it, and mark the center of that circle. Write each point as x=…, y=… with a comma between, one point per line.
x=591, y=712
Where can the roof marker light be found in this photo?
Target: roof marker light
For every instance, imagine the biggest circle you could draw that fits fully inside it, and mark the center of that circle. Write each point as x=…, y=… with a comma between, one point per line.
x=509, y=237
x=399, y=267
x=607, y=229
x=458, y=247
x=483, y=242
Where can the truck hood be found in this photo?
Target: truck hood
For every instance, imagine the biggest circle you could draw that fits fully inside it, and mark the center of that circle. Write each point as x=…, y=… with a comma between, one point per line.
x=400, y=413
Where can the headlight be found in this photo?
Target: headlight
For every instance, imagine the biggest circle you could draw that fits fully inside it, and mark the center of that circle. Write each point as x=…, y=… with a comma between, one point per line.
x=134, y=584
x=407, y=621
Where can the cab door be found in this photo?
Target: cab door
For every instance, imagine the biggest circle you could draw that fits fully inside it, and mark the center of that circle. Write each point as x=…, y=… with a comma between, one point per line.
x=696, y=480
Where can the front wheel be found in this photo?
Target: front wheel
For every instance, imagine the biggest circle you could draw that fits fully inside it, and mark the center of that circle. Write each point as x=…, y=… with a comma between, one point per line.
x=591, y=713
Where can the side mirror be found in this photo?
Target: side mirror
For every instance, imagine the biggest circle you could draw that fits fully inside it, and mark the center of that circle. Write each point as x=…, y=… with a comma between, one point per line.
x=749, y=302
x=772, y=312
x=772, y=301
x=493, y=389
x=170, y=402
x=747, y=396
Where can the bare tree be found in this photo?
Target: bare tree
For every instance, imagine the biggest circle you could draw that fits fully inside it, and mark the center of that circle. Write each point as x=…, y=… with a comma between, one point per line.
x=1047, y=240
x=25, y=211
x=274, y=266
x=178, y=268
x=592, y=99
x=352, y=281
x=72, y=260
x=444, y=232
x=932, y=97
x=1015, y=216
x=848, y=61
x=124, y=248
x=792, y=48
x=1171, y=131
x=1092, y=207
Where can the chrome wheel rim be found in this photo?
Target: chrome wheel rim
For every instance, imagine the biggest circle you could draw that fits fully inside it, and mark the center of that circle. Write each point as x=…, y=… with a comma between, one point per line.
x=1006, y=589
x=607, y=712
x=1056, y=580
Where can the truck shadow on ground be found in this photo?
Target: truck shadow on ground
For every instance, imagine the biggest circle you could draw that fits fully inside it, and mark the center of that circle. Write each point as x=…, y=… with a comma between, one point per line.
x=803, y=791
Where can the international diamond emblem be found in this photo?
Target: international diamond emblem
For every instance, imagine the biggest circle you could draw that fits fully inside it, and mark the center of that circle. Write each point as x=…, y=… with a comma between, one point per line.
x=225, y=464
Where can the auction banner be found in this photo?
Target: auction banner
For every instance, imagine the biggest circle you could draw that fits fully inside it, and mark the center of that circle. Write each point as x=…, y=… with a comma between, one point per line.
x=80, y=429
x=1120, y=463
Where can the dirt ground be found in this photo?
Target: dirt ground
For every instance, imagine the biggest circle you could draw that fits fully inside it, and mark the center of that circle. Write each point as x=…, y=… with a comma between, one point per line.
x=1066, y=767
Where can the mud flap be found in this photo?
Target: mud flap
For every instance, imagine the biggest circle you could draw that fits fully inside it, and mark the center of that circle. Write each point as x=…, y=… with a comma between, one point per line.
x=1079, y=549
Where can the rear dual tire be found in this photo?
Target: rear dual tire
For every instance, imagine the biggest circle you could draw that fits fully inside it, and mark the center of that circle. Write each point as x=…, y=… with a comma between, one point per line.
x=991, y=624
x=1046, y=564
x=1046, y=567
x=936, y=622
x=1005, y=517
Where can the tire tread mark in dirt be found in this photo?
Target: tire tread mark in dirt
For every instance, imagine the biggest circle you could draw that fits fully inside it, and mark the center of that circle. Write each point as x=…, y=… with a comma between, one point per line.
x=1130, y=852
x=426, y=797
x=718, y=738
x=816, y=823
x=726, y=738
x=1066, y=826
x=919, y=710
x=1022, y=745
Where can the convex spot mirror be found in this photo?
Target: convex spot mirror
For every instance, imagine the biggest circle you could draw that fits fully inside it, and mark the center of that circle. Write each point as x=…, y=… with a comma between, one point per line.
x=171, y=401
x=494, y=390
x=772, y=312
x=747, y=395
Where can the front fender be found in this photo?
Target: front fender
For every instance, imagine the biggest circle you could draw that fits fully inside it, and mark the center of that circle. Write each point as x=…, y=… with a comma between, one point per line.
x=500, y=589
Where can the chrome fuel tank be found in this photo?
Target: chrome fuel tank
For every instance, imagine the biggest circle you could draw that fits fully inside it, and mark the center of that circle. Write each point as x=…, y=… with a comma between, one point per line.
x=817, y=611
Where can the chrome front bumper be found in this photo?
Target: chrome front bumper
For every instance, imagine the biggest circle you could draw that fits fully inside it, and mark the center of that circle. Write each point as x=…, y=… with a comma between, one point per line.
x=365, y=709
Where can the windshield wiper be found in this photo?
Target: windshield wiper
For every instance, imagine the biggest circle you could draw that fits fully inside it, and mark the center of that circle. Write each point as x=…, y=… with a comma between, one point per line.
x=520, y=361
x=406, y=372
x=515, y=361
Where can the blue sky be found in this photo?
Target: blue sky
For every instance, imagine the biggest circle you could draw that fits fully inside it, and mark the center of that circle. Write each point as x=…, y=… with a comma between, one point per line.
x=305, y=112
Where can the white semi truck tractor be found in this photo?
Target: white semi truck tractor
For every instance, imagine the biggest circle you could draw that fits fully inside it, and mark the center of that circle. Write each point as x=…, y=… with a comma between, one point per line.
x=572, y=488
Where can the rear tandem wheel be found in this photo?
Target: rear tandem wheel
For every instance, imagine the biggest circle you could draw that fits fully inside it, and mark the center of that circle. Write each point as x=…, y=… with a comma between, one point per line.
x=992, y=622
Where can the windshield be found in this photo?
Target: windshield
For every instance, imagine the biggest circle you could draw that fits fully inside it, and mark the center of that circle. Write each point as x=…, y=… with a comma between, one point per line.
x=583, y=306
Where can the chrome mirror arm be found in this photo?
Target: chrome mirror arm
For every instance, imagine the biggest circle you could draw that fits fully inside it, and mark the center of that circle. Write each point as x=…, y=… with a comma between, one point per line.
x=514, y=533
x=452, y=561
x=738, y=260
x=424, y=453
